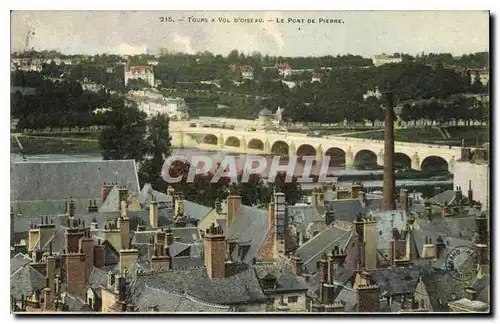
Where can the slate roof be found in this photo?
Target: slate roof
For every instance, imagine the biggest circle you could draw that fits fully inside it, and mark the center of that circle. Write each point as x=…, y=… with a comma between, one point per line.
x=386, y=221
x=196, y=211
x=182, y=235
x=97, y=278
x=75, y=304
x=286, y=280
x=442, y=289
x=240, y=286
x=313, y=250
x=32, y=181
x=442, y=198
x=18, y=261
x=348, y=209
x=25, y=281
x=148, y=193
x=250, y=227
x=112, y=202
x=482, y=287
x=164, y=301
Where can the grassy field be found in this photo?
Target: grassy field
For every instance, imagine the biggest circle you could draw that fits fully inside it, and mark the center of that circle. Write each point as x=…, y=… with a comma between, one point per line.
x=472, y=135
x=41, y=145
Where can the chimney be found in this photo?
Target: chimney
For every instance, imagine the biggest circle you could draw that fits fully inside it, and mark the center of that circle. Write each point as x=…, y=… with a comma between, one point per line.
x=465, y=154
x=153, y=213
x=281, y=221
x=297, y=265
x=92, y=207
x=389, y=179
x=337, y=307
x=403, y=198
x=359, y=226
x=458, y=195
x=123, y=209
x=140, y=226
x=50, y=270
x=169, y=234
x=215, y=252
x=120, y=287
x=469, y=194
x=99, y=255
x=233, y=204
x=428, y=212
x=362, y=198
x=440, y=247
x=429, y=250
x=86, y=245
x=105, y=189
x=481, y=229
x=470, y=293
x=127, y=258
x=70, y=207
x=75, y=276
x=47, y=298
x=94, y=226
x=355, y=189
x=322, y=266
x=111, y=280
x=179, y=205
x=318, y=198
x=73, y=235
x=161, y=261
x=124, y=227
x=329, y=217
x=370, y=243
x=368, y=298
x=123, y=195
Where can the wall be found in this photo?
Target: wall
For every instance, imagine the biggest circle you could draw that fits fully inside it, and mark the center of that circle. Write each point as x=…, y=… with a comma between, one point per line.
x=299, y=306
x=478, y=174
x=108, y=300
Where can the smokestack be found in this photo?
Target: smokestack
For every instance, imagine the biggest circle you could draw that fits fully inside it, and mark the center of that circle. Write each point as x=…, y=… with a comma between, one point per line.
x=389, y=182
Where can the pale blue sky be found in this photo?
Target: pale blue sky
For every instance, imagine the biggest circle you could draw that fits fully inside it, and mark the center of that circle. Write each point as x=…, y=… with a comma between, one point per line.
x=364, y=32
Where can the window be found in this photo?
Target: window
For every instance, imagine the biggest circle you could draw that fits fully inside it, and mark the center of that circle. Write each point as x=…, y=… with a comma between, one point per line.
x=293, y=299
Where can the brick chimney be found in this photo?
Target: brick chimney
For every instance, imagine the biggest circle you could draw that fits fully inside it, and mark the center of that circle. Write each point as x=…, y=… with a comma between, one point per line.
x=233, y=204
x=120, y=287
x=215, y=252
x=397, y=246
x=389, y=177
x=94, y=226
x=297, y=265
x=75, y=274
x=481, y=229
x=368, y=298
x=470, y=293
x=458, y=195
x=127, y=258
x=440, y=247
x=404, y=200
x=429, y=250
x=99, y=255
x=73, y=235
x=161, y=261
x=153, y=213
x=281, y=221
x=370, y=243
x=105, y=189
x=86, y=245
x=159, y=241
x=47, y=298
x=123, y=194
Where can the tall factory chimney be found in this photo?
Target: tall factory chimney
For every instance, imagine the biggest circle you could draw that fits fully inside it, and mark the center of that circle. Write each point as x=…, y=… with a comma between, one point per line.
x=389, y=182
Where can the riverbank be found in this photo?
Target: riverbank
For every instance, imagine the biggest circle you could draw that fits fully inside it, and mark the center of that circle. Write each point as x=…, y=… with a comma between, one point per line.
x=53, y=145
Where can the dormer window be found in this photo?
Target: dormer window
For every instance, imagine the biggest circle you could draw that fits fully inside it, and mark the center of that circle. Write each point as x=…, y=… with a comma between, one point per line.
x=268, y=282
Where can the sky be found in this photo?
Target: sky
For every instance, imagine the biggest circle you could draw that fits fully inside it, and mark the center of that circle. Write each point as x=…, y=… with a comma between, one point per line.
x=365, y=33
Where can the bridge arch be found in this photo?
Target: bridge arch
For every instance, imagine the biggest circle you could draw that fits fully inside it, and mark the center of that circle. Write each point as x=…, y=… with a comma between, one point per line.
x=402, y=161
x=434, y=163
x=280, y=148
x=210, y=139
x=233, y=141
x=337, y=156
x=365, y=159
x=256, y=144
x=305, y=150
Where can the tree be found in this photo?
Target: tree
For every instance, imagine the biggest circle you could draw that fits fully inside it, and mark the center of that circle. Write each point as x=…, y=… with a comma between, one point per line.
x=158, y=148
x=124, y=138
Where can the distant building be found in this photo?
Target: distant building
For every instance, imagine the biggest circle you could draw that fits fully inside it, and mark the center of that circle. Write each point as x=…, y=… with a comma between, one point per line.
x=385, y=59
x=153, y=102
x=483, y=75
x=477, y=176
x=145, y=73
x=317, y=77
x=246, y=70
x=284, y=70
x=153, y=62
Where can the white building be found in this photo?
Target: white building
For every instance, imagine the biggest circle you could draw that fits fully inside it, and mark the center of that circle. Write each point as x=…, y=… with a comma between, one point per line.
x=478, y=175
x=174, y=108
x=385, y=59
x=143, y=72
x=372, y=93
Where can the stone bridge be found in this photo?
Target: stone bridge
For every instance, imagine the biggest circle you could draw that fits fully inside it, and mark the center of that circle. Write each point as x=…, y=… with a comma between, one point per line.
x=342, y=150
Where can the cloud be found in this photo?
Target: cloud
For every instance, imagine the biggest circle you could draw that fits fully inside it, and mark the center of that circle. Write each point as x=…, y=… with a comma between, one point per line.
x=271, y=30
x=183, y=41
x=124, y=49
